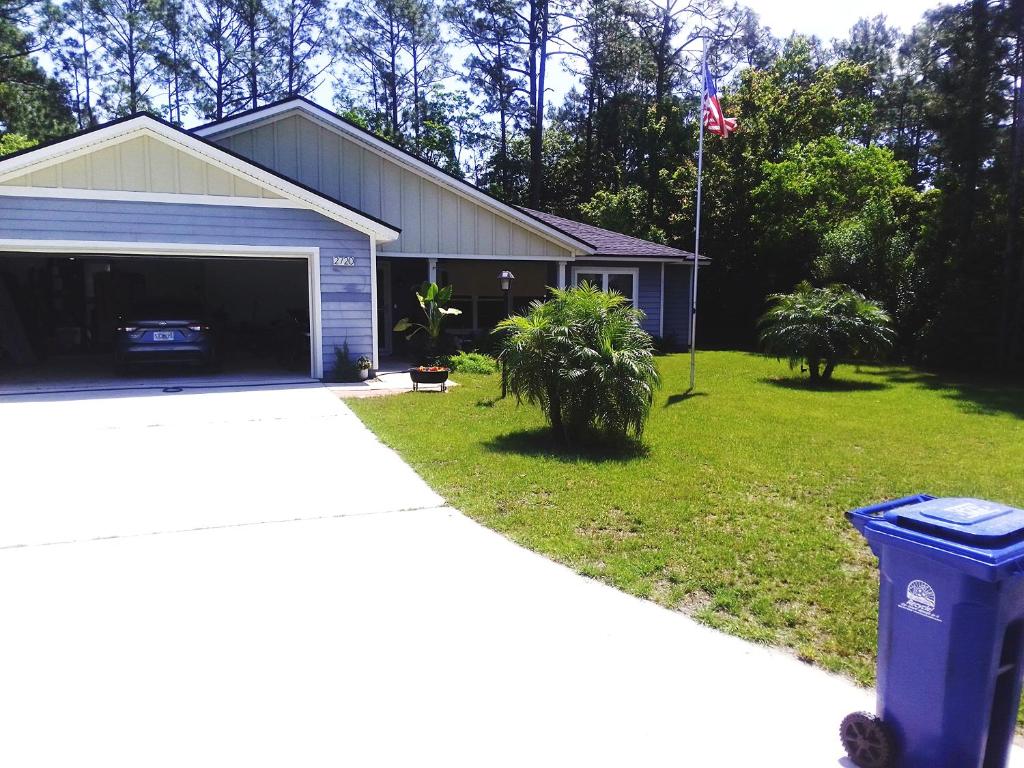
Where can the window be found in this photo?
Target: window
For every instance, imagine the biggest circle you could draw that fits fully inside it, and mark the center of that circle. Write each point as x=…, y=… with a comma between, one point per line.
x=625, y=280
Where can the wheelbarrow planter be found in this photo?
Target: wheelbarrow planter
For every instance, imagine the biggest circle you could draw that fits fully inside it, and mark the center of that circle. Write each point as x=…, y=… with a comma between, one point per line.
x=429, y=375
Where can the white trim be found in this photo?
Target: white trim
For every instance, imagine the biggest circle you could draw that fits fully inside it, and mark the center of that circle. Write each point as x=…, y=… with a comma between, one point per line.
x=382, y=148
x=374, y=332
x=121, y=249
x=148, y=197
x=605, y=271
x=661, y=304
x=561, y=274
x=143, y=125
x=473, y=256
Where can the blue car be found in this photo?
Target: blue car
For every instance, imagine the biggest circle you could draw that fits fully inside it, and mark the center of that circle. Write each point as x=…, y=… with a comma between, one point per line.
x=165, y=333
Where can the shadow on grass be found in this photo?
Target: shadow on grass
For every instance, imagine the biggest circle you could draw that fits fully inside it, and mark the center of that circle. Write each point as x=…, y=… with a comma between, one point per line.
x=592, y=448
x=832, y=385
x=683, y=397
x=987, y=396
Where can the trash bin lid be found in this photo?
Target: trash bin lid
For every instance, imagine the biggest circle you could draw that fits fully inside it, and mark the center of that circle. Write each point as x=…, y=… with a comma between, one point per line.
x=975, y=522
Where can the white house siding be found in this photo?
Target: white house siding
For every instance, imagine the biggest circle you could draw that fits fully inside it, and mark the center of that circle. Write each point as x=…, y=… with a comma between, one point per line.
x=141, y=164
x=433, y=217
x=344, y=291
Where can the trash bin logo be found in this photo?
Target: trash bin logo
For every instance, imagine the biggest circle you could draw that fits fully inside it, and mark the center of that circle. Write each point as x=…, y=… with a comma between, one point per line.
x=920, y=597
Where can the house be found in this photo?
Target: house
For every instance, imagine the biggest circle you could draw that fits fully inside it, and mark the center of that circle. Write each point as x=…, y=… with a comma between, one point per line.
x=281, y=212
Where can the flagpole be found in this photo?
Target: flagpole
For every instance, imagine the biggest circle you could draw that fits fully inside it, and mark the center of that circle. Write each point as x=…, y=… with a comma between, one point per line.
x=696, y=239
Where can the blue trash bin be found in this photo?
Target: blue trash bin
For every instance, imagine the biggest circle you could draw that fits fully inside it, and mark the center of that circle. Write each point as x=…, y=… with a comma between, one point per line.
x=950, y=619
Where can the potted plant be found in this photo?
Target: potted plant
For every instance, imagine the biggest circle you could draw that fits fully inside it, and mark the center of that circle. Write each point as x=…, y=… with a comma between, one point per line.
x=363, y=364
x=434, y=303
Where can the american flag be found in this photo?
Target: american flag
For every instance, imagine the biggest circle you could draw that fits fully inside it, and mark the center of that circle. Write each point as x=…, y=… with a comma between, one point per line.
x=714, y=120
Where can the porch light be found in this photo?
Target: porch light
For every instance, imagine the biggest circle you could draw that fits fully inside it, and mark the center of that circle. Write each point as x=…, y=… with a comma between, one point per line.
x=505, y=279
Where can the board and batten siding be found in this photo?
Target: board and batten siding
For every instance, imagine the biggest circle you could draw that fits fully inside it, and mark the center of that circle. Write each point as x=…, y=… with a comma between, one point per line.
x=433, y=217
x=142, y=164
x=344, y=291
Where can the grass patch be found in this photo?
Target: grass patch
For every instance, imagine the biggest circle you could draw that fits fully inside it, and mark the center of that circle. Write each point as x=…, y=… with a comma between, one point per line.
x=732, y=510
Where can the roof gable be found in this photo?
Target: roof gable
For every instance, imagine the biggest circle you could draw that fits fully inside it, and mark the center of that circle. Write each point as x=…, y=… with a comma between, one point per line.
x=145, y=158
x=438, y=213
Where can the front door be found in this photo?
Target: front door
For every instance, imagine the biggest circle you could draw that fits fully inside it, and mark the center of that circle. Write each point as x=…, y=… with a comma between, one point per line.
x=384, y=308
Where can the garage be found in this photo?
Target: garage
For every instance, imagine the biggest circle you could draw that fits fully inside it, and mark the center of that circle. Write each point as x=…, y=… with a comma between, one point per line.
x=137, y=255
x=65, y=318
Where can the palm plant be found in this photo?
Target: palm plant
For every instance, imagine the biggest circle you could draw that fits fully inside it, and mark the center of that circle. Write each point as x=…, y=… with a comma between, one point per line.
x=819, y=327
x=584, y=359
x=434, y=303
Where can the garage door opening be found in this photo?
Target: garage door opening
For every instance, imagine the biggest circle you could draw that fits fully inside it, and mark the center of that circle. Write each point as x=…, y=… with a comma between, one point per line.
x=69, y=320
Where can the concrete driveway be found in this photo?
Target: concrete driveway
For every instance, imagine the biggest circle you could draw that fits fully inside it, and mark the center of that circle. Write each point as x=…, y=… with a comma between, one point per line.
x=248, y=578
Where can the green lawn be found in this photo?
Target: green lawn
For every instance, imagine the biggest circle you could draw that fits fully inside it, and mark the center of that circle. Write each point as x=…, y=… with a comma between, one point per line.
x=735, y=514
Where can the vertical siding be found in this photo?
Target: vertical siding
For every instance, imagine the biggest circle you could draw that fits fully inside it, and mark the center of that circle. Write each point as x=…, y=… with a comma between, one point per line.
x=432, y=217
x=142, y=164
x=344, y=291
x=677, y=304
x=650, y=297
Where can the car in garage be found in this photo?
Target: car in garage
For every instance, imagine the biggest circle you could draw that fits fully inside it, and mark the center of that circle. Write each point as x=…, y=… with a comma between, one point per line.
x=165, y=332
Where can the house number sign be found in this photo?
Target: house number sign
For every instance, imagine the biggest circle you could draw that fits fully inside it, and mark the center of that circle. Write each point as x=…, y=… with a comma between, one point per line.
x=344, y=261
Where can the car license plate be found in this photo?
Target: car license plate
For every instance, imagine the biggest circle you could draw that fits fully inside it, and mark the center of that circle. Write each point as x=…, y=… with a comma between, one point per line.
x=163, y=335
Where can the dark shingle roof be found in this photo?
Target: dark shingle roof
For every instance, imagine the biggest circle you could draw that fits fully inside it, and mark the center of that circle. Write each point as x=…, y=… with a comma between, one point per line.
x=608, y=243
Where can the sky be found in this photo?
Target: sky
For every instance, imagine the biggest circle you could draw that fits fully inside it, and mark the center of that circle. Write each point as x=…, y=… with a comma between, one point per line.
x=833, y=18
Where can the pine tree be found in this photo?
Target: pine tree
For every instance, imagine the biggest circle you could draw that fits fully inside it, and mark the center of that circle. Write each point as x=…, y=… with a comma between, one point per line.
x=128, y=32
x=306, y=48
x=215, y=41
x=256, y=56
x=78, y=59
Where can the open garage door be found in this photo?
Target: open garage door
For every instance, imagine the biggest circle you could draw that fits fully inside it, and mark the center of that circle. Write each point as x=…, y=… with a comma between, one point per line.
x=89, y=320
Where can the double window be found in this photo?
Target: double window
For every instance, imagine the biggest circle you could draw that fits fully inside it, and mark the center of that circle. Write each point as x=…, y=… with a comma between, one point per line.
x=625, y=280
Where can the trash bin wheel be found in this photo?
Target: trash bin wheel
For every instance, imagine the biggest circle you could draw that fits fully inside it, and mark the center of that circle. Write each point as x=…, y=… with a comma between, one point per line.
x=867, y=740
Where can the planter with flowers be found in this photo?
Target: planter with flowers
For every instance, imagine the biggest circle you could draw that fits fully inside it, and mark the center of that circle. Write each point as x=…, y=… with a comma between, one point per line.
x=363, y=364
x=433, y=301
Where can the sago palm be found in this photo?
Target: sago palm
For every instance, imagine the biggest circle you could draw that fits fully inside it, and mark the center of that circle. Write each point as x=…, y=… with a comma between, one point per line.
x=584, y=359
x=822, y=326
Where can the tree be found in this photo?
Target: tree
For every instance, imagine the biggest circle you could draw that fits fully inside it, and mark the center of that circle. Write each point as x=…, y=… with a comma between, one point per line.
x=375, y=46
x=821, y=327
x=490, y=28
x=78, y=60
x=175, y=70
x=31, y=102
x=215, y=39
x=14, y=142
x=604, y=51
x=255, y=58
x=306, y=47
x=583, y=358
x=128, y=32
x=428, y=62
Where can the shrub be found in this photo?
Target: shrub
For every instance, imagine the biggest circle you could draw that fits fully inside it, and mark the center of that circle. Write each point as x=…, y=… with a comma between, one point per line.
x=820, y=327
x=584, y=359
x=345, y=368
x=472, y=362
